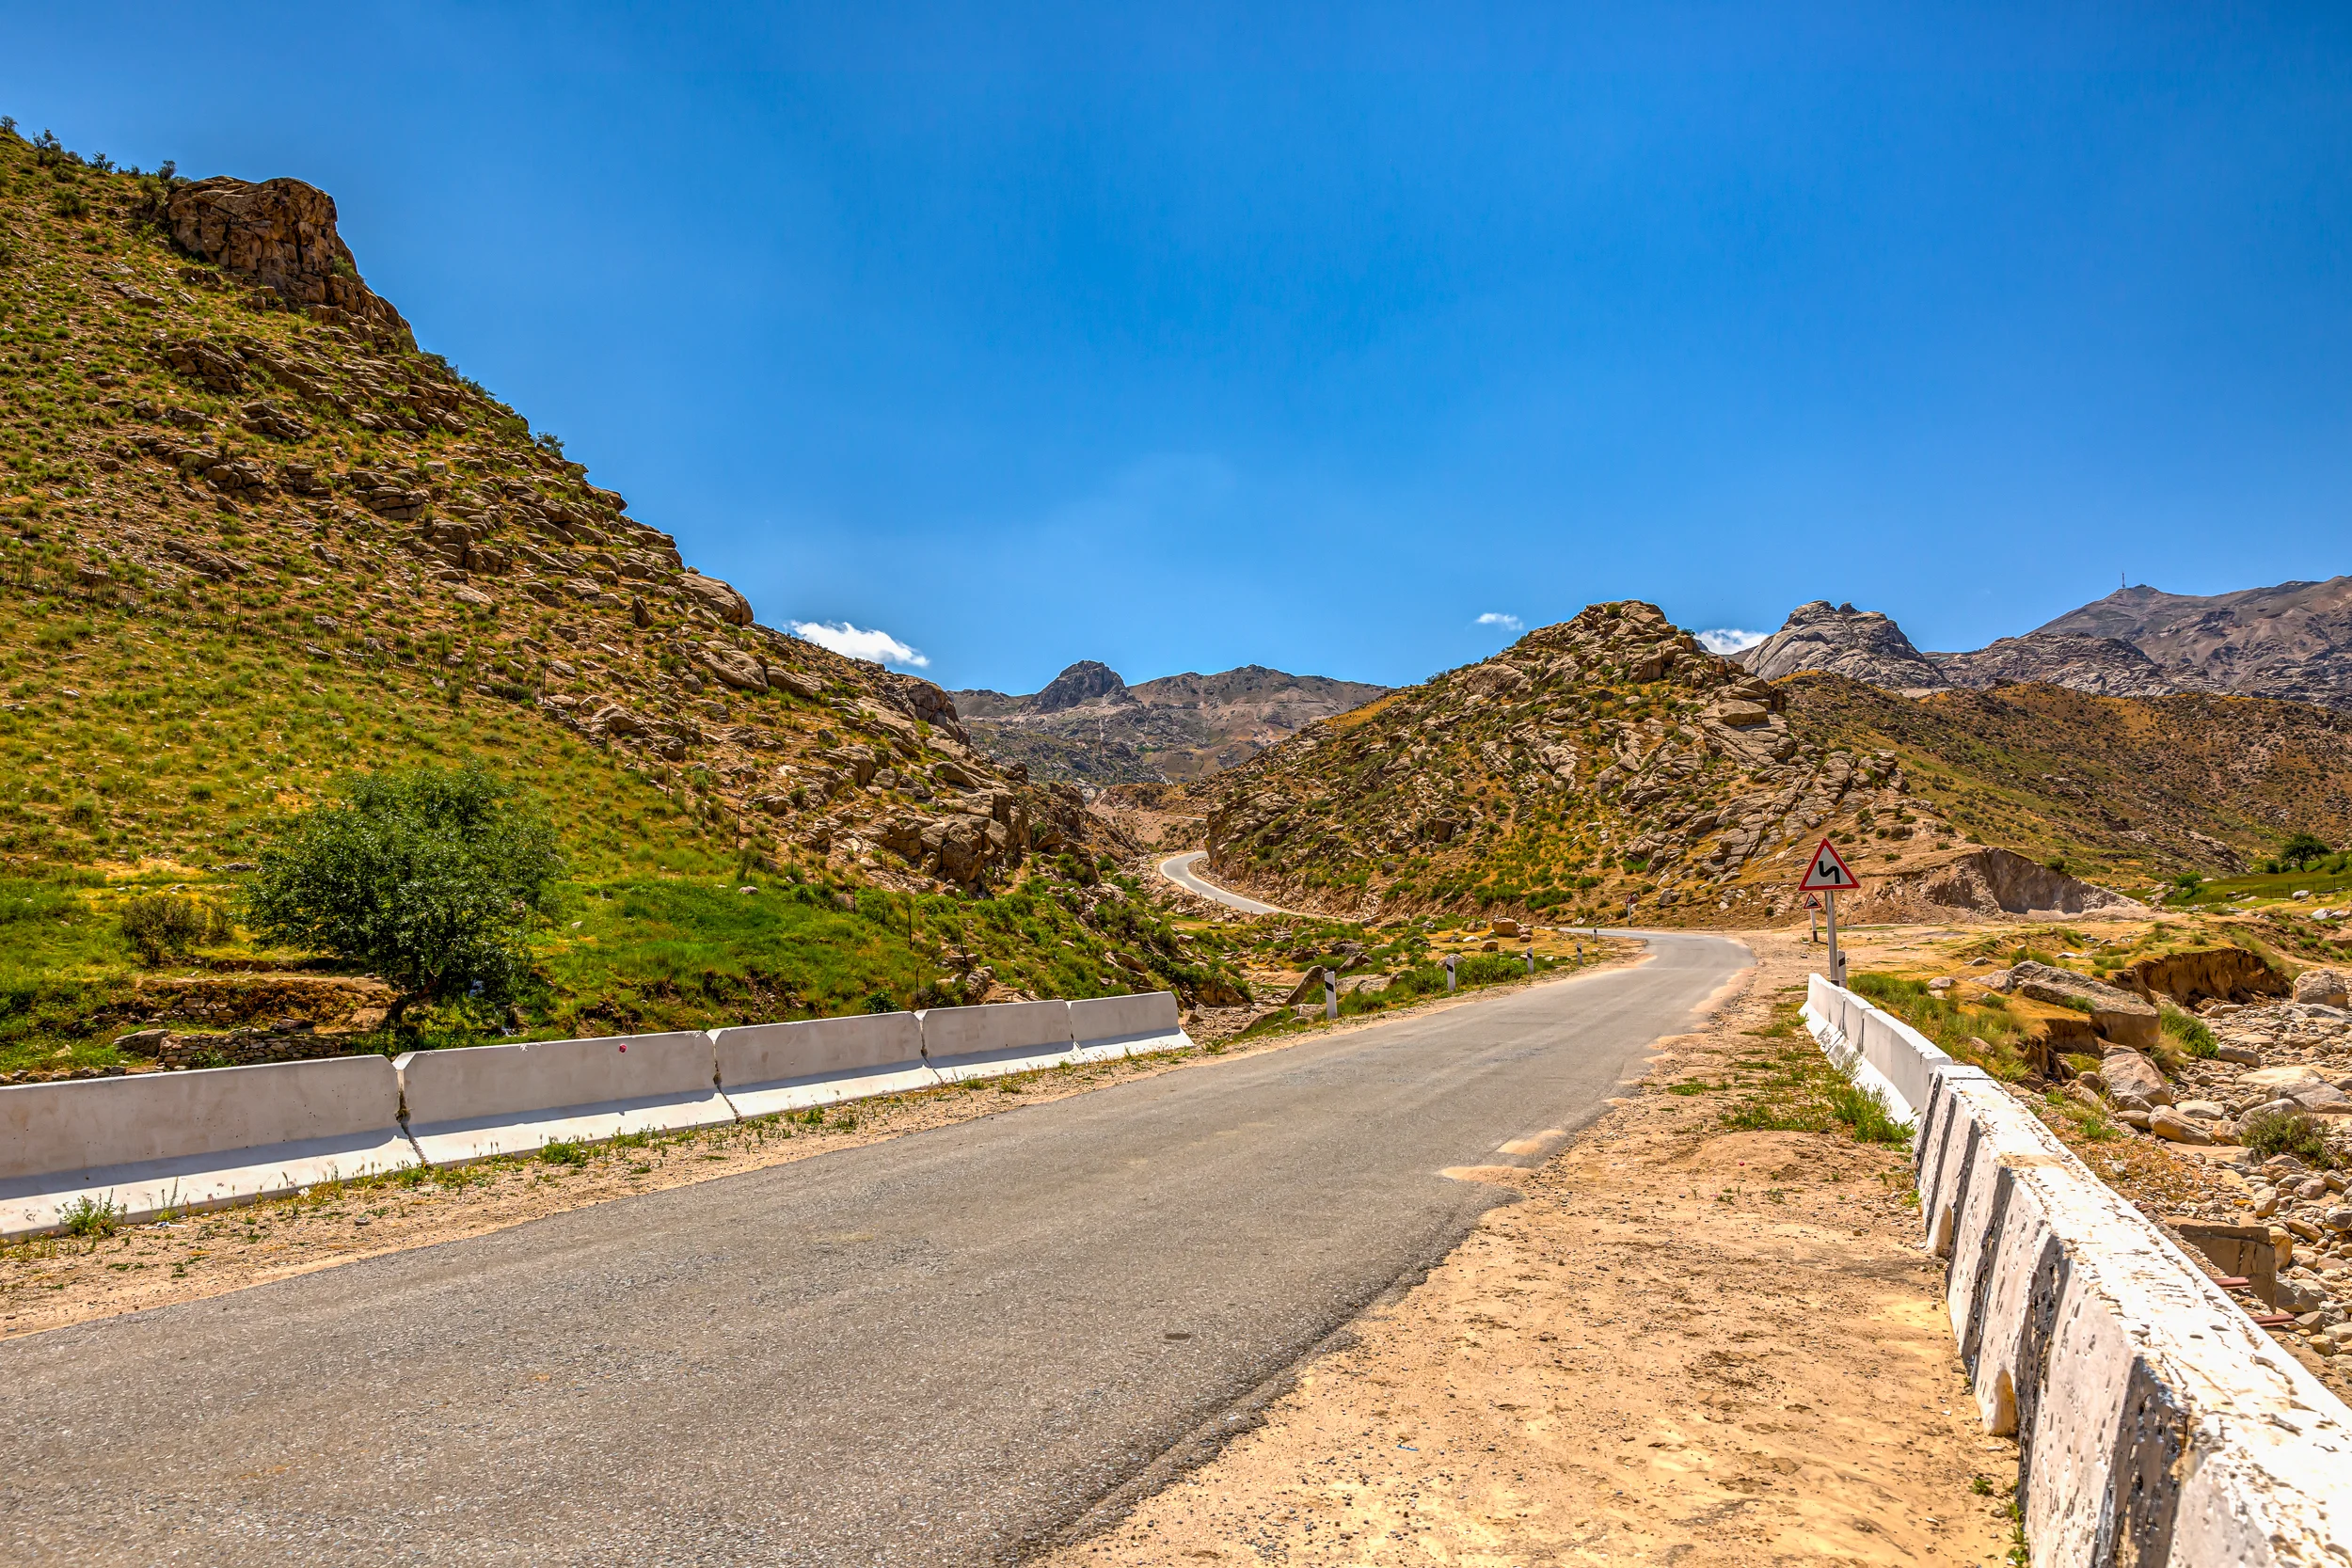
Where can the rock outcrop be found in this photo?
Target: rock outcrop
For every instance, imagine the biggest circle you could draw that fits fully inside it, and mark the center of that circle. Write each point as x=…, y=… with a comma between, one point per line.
x=2001, y=881
x=2104, y=666
x=280, y=236
x=1859, y=644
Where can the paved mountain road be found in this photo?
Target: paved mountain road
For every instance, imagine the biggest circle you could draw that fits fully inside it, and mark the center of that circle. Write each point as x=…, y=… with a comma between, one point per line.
x=1184, y=870
x=932, y=1350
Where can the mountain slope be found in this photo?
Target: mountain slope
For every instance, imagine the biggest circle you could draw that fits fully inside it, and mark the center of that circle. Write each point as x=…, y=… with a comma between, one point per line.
x=2105, y=666
x=1609, y=759
x=242, y=496
x=253, y=539
x=1604, y=761
x=2293, y=641
x=1088, y=724
x=2121, y=789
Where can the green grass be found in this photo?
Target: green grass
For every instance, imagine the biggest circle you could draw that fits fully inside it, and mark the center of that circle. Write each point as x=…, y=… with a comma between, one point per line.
x=1795, y=1089
x=1983, y=1036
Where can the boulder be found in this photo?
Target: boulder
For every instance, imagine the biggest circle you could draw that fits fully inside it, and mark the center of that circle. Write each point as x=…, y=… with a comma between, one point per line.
x=2128, y=1073
x=718, y=597
x=733, y=666
x=2168, y=1123
x=2117, y=1014
x=2327, y=988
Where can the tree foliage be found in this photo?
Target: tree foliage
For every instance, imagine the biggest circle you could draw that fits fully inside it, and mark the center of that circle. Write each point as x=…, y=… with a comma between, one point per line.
x=433, y=879
x=2302, y=850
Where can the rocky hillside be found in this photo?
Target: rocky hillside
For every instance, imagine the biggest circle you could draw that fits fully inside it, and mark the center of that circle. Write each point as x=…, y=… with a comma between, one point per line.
x=255, y=538
x=2293, y=641
x=1089, y=725
x=1860, y=645
x=2104, y=666
x=2124, y=789
x=1610, y=760
x=1603, y=761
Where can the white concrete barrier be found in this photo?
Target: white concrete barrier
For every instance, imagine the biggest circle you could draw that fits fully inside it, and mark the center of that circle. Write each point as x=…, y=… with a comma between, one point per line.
x=176, y=1141
x=1109, y=1027
x=2155, y=1423
x=768, y=1068
x=478, y=1100
x=998, y=1038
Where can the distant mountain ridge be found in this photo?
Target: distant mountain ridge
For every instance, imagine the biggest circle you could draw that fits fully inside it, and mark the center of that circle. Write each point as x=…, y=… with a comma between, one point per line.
x=2292, y=641
x=1089, y=725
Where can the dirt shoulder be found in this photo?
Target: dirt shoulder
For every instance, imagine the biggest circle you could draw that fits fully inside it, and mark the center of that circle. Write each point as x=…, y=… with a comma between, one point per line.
x=1684, y=1344
x=51, y=1281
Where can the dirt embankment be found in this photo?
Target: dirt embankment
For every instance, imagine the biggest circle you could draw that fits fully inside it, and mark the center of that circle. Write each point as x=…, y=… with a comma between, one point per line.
x=1686, y=1345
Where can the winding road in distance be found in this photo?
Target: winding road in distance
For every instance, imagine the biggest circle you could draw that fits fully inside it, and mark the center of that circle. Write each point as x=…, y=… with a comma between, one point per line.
x=938, y=1349
x=1183, y=871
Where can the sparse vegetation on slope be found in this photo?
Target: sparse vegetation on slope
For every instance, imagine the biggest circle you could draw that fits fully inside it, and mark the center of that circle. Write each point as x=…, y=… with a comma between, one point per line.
x=1605, y=764
x=256, y=542
x=2129, y=790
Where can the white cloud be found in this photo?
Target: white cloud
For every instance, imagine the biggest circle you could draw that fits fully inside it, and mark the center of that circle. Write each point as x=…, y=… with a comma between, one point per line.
x=878, y=646
x=1730, y=639
x=1498, y=618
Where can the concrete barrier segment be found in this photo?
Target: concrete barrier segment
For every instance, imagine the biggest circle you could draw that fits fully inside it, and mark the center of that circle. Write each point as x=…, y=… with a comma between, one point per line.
x=2155, y=1421
x=481, y=1100
x=766, y=1069
x=174, y=1141
x=997, y=1038
x=1108, y=1027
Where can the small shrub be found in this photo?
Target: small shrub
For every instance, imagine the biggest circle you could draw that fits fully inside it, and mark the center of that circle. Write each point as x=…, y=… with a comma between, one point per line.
x=2194, y=1038
x=880, y=1002
x=2301, y=1134
x=563, y=1152
x=93, y=1216
x=160, y=926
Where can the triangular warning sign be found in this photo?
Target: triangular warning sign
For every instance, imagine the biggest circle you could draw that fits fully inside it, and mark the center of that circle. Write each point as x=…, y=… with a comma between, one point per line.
x=1828, y=873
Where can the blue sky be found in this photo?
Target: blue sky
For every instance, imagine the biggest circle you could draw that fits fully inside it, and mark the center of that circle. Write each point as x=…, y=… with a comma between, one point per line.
x=1180, y=337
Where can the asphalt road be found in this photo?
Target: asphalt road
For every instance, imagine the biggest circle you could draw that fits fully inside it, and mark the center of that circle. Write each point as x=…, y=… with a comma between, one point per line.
x=1180, y=869
x=933, y=1350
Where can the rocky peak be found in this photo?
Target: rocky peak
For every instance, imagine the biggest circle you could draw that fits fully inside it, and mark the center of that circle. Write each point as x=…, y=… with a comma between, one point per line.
x=1860, y=645
x=1083, y=682
x=281, y=234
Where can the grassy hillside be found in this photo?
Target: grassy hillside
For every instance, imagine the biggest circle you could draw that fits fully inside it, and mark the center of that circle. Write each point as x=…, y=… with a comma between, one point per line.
x=252, y=539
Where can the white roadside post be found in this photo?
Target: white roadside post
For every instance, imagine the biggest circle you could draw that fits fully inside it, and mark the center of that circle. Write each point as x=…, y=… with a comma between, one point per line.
x=1450, y=962
x=1331, y=995
x=1828, y=875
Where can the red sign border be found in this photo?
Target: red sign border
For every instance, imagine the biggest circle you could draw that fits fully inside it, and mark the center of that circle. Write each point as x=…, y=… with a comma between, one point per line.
x=1806, y=884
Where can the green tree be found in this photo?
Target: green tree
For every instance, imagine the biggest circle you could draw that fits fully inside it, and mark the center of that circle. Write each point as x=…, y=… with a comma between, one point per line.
x=2302, y=850
x=432, y=878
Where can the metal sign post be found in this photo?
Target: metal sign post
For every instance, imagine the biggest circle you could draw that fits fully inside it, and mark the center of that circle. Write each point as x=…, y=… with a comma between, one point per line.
x=1828, y=875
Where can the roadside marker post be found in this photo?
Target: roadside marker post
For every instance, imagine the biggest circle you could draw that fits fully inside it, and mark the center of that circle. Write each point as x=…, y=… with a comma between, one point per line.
x=1331, y=995
x=1828, y=875
x=1450, y=962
